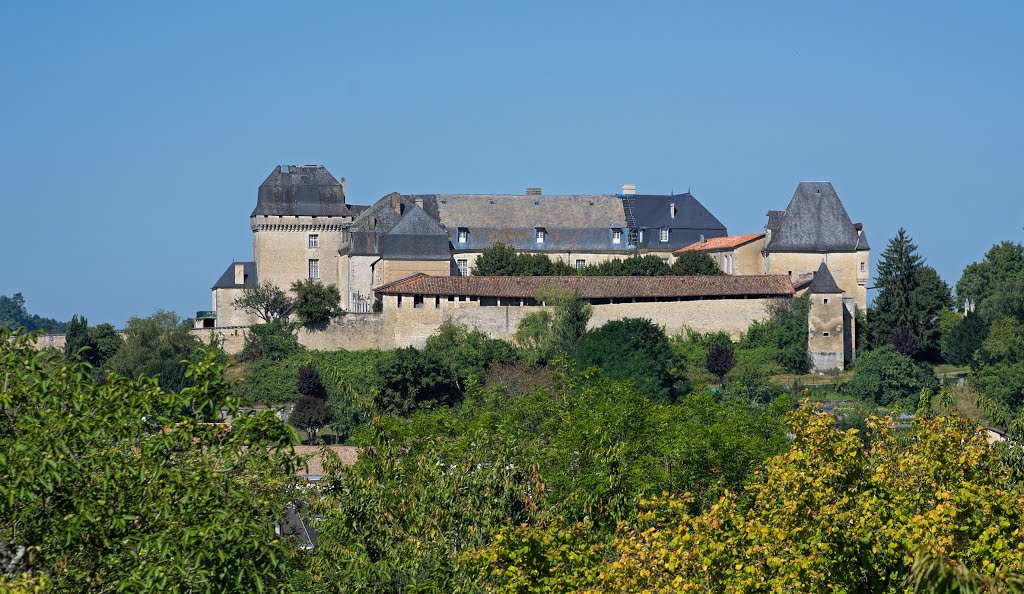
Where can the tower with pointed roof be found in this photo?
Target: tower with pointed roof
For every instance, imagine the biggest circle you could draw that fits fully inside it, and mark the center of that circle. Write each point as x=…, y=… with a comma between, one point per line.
x=830, y=324
x=816, y=228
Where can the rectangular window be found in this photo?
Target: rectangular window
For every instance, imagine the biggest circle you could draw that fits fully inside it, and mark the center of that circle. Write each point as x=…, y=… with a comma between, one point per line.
x=664, y=235
x=463, y=234
x=540, y=235
x=463, y=267
x=314, y=269
x=616, y=235
x=824, y=300
x=862, y=266
x=314, y=240
x=580, y=264
x=824, y=333
x=417, y=301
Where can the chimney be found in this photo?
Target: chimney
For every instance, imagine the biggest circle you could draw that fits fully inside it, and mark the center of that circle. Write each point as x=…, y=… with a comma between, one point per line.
x=533, y=192
x=628, y=189
x=343, y=185
x=396, y=203
x=239, y=273
x=702, y=242
x=419, y=201
x=672, y=210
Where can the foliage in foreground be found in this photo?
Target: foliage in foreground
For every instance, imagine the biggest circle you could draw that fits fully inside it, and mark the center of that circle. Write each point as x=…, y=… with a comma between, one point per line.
x=123, y=486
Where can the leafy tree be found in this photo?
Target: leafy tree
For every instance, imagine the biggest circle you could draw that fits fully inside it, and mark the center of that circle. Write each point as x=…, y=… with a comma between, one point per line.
x=468, y=352
x=963, y=339
x=887, y=377
x=311, y=414
x=411, y=379
x=720, y=361
x=545, y=335
x=998, y=368
x=316, y=303
x=13, y=316
x=784, y=334
x=632, y=349
x=157, y=346
x=115, y=487
x=570, y=324
x=1007, y=301
x=910, y=298
x=265, y=301
x=981, y=280
x=693, y=263
x=106, y=342
x=308, y=381
x=535, y=337
x=272, y=341
x=496, y=260
x=830, y=515
x=100, y=343
x=647, y=265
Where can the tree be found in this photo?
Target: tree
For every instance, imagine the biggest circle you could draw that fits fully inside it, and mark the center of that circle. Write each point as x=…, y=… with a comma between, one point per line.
x=116, y=487
x=311, y=414
x=694, y=263
x=468, y=352
x=981, y=280
x=887, y=377
x=13, y=316
x=412, y=379
x=308, y=381
x=106, y=341
x=720, y=361
x=633, y=349
x=77, y=342
x=316, y=303
x=496, y=260
x=963, y=339
x=570, y=324
x=265, y=301
x=910, y=298
x=272, y=341
x=544, y=335
x=647, y=265
x=783, y=334
x=157, y=346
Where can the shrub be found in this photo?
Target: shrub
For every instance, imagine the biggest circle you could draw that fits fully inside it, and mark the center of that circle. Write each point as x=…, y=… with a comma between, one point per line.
x=887, y=377
x=316, y=303
x=633, y=349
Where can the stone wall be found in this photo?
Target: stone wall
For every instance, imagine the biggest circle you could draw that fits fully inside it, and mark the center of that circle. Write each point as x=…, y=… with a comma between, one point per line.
x=281, y=247
x=227, y=314
x=825, y=336
x=846, y=268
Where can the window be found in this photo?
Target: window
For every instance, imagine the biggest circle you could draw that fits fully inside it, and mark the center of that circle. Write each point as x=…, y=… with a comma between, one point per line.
x=824, y=300
x=417, y=301
x=540, y=234
x=580, y=264
x=314, y=269
x=463, y=267
x=463, y=234
x=314, y=240
x=862, y=264
x=664, y=235
x=824, y=333
x=616, y=235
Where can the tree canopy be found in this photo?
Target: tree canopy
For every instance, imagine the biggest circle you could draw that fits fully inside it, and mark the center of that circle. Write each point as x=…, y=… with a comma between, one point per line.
x=14, y=315
x=316, y=303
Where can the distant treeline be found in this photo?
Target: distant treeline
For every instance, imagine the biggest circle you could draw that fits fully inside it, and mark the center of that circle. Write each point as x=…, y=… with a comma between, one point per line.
x=13, y=315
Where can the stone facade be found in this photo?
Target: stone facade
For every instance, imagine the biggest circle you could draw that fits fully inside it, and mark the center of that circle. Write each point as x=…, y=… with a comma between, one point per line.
x=830, y=323
x=850, y=270
x=282, y=248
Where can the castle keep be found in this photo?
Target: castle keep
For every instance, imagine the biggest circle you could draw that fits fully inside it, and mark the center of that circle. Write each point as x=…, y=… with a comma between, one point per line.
x=414, y=253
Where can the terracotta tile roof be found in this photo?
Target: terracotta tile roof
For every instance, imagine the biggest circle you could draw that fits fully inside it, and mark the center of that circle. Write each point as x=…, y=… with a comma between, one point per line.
x=593, y=287
x=720, y=243
x=314, y=462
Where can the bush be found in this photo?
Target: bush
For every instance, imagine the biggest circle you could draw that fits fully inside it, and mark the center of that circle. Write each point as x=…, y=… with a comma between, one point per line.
x=273, y=341
x=633, y=349
x=410, y=379
x=316, y=303
x=693, y=263
x=887, y=377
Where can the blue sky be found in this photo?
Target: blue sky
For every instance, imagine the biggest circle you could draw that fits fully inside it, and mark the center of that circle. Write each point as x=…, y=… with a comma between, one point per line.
x=135, y=135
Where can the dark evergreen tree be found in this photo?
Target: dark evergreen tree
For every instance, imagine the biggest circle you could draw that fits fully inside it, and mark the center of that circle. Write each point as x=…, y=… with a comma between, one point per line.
x=630, y=349
x=960, y=343
x=311, y=414
x=910, y=299
x=570, y=324
x=78, y=345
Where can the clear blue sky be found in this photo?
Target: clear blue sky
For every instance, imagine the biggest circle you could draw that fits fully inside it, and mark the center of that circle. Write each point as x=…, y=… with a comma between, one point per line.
x=135, y=134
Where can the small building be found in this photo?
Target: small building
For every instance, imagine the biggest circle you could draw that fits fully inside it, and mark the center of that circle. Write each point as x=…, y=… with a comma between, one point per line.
x=734, y=254
x=830, y=324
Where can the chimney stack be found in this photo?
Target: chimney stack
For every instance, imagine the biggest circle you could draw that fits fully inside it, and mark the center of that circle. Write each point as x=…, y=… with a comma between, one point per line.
x=396, y=203
x=342, y=185
x=419, y=201
x=533, y=191
x=629, y=189
x=702, y=242
x=672, y=210
x=239, y=273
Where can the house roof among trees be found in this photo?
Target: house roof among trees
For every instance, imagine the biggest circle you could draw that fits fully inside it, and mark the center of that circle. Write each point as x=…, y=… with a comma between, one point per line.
x=593, y=287
x=301, y=190
x=823, y=282
x=227, y=280
x=814, y=221
x=720, y=243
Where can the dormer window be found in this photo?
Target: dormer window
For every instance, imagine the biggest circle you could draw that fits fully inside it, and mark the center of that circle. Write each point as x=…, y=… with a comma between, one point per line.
x=463, y=234
x=616, y=235
x=541, y=233
x=664, y=235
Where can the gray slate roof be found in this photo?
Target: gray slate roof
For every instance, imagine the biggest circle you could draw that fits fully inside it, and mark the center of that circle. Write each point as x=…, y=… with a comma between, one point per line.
x=301, y=190
x=227, y=280
x=691, y=220
x=416, y=236
x=814, y=221
x=824, y=282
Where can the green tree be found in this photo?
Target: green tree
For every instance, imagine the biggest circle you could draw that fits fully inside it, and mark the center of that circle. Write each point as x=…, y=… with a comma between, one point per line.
x=311, y=414
x=910, y=298
x=106, y=341
x=266, y=301
x=272, y=341
x=157, y=346
x=316, y=303
x=981, y=280
x=468, y=352
x=496, y=260
x=964, y=339
x=633, y=349
x=14, y=315
x=410, y=379
x=783, y=335
x=887, y=377
x=77, y=342
x=647, y=265
x=115, y=487
x=693, y=263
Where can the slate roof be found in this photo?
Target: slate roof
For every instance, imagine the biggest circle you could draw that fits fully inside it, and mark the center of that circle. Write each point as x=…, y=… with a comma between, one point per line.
x=227, y=280
x=301, y=190
x=823, y=282
x=416, y=236
x=593, y=287
x=720, y=243
x=367, y=230
x=578, y=222
x=814, y=221
x=653, y=213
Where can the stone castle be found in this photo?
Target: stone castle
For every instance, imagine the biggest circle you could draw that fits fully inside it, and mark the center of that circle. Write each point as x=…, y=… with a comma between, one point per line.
x=414, y=253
